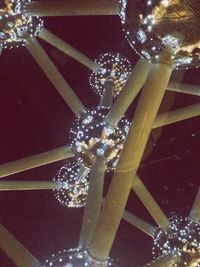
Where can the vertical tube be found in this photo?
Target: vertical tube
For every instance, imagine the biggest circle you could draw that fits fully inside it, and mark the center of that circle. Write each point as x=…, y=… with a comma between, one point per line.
x=195, y=211
x=93, y=202
x=67, y=49
x=149, y=202
x=72, y=8
x=54, y=76
x=17, y=253
x=131, y=155
x=107, y=97
x=130, y=90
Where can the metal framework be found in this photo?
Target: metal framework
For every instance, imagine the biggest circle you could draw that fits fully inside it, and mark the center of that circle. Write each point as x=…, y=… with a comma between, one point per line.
x=99, y=226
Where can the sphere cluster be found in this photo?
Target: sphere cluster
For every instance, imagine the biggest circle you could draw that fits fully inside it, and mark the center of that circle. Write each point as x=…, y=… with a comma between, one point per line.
x=16, y=28
x=74, y=189
x=75, y=258
x=92, y=138
x=113, y=68
x=181, y=236
x=151, y=26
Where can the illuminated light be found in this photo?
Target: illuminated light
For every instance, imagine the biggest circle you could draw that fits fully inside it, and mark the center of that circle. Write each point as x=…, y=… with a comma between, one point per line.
x=75, y=185
x=92, y=138
x=114, y=68
x=75, y=258
x=17, y=28
x=182, y=236
x=162, y=23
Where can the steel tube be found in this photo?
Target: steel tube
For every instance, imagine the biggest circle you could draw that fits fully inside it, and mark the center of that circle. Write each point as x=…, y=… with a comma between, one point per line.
x=34, y=161
x=72, y=8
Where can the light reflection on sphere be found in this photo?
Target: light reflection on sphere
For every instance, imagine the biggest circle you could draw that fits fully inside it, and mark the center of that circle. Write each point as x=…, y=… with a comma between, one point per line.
x=114, y=68
x=74, y=258
x=153, y=25
x=16, y=28
x=182, y=236
x=91, y=138
x=74, y=190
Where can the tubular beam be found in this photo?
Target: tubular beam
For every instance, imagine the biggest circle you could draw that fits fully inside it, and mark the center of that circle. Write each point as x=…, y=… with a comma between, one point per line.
x=107, y=97
x=67, y=49
x=93, y=203
x=139, y=223
x=130, y=90
x=54, y=76
x=195, y=211
x=164, y=261
x=184, y=88
x=177, y=115
x=19, y=255
x=35, y=161
x=28, y=185
x=72, y=8
x=131, y=155
x=149, y=202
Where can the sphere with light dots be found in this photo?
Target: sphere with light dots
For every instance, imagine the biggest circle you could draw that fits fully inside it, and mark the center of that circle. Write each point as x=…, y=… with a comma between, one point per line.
x=152, y=25
x=74, y=185
x=92, y=138
x=16, y=27
x=182, y=236
x=113, y=68
x=75, y=258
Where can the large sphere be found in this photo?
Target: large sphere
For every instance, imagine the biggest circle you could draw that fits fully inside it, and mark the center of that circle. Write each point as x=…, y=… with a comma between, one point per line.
x=152, y=25
x=113, y=68
x=181, y=236
x=16, y=28
x=91, y=138
x=74, y=190
x=74, y=258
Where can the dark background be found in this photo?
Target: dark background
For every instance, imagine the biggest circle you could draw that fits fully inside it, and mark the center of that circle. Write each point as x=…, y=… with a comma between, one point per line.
x=34, y=119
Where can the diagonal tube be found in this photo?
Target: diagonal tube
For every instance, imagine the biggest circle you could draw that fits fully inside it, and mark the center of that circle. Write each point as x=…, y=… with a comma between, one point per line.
x=67, y=49
x=164, y=261
x=131, y=155
x=149, y=202
x=54, y=76
x=29, y=185
x=34, y=161
x=177, y=115
x=195, y=211
x=184, y=88
x=130, y=90
x=93, y=203
x=17, y=253
x=72, y=8
x=139, y=223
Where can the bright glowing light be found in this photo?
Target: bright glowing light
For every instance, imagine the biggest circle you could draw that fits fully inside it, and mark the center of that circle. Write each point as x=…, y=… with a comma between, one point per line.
x=16, y=28
x=75, y=258
x=93, y=138
x=114, y=68
x=181, y=236
x=152, y=26
x=75, y=185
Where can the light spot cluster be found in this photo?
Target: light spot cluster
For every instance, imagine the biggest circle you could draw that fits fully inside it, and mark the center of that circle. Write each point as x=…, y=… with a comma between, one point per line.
x=92, y=138
x=75, y=258
x=151, y=26
x=182, y=236
x=113, y=68
x=16, y=27
x=75, y=184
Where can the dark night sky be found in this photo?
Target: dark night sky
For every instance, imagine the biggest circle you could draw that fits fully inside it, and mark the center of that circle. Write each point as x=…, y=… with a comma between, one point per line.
x=34, y=118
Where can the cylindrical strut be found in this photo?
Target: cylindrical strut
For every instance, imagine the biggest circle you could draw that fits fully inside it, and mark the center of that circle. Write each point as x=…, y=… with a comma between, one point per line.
x=131, y=155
